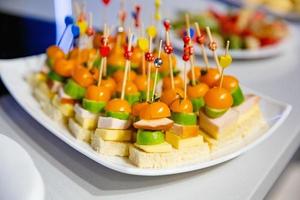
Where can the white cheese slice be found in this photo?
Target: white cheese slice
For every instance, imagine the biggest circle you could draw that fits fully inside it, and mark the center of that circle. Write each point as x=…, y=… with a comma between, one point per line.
x=113, y=123
x=84, y=113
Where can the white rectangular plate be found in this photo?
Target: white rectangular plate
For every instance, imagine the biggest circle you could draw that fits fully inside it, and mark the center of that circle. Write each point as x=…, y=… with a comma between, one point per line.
x=13, y=73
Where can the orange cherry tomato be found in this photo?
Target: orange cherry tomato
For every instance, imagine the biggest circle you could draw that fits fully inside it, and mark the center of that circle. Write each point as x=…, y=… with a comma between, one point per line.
x=98, y=93
x=141, y=81
x=119, y=75
x=116, y=58
x=109, y=83
x=169, y=96
x=54, y=52
x=95, y=72
x=137, y=56
x=178, y=82
x=156, y=110
x=165, y=68
x=118, y=105
x=197, y=91
x=129, y=89
x=138, y=107
x=82, y=76
x=74, y=53
x=182, y=106
x=197, y=73
x=218, y=98
x=229, y=83
x=211, y=77
x=64, y=67
x=82, y=56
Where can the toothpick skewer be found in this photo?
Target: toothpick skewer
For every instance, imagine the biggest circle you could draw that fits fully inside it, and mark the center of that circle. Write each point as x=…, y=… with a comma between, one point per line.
x=201, y=43
x=157, y=63
x=77, y=9
x=169, y=50
x=127, y=65
x=149, y=71
x=184, y=81
x=213, y=48
x=222, y=72
x=187, y=19
x=103, y=59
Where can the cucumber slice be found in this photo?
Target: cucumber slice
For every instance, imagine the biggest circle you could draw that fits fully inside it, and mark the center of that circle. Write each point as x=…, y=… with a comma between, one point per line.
x=143, y=95
x=93, y=106
x=184, y=118
x=118, y=115
x=149, y=137
x=238, y=96
x=97, y=62
x=111, y=69
x=198, y=103
x=55, y=77
x=49, y=62
x=159, y=76
x=132, y=98
x=74, y=90
x=214, y=113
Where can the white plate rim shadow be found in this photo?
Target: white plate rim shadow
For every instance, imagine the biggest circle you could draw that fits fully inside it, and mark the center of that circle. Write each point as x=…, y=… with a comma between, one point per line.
x=13, y=72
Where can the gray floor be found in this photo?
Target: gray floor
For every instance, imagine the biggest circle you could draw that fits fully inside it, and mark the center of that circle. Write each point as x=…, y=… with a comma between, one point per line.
x=287, y=185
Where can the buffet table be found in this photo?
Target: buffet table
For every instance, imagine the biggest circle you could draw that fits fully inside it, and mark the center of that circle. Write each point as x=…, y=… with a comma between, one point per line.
x=68, y=174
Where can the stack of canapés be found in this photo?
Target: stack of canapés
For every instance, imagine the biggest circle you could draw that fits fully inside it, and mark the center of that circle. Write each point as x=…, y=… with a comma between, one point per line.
x=106, y=91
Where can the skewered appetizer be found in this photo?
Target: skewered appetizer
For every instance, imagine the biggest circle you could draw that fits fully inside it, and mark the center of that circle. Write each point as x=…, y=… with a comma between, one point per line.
x=113, y=133
x=190, y=122
x=184, y=135
x=245, y=29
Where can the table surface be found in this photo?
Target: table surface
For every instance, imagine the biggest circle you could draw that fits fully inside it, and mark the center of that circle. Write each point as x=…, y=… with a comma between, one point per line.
x=69, y=175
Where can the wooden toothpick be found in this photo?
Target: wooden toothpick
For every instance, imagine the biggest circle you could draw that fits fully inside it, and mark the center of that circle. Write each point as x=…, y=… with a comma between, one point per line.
x=213, y=50
x=149, y=64
x=192, y=63
x=170, y=60
x=203, y=51
x=156, y=70
x=103, y=59
x=222, y=72
x=184, y=80
x=127, y=65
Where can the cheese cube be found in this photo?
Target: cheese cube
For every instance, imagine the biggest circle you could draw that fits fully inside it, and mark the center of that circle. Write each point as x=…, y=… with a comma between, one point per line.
x=114, y=135
x=179, y=142
x=113, y=123
x=86, y=123
x=185, y=131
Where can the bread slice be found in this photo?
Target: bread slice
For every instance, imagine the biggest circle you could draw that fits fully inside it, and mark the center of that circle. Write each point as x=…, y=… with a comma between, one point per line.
x=78, y=132
x=168, y=159
x=252, y=124
x=66, y=109
x=226, y=145
x=42, y=93
x=35, y=78
x=53, y=113
x=111, y=148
